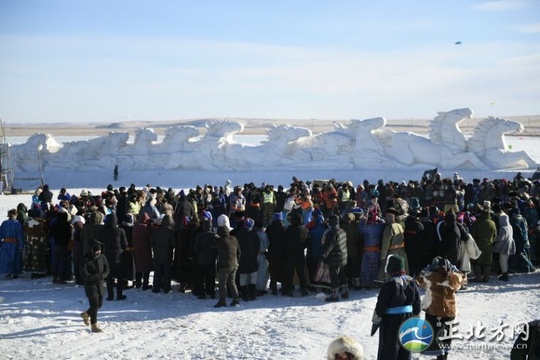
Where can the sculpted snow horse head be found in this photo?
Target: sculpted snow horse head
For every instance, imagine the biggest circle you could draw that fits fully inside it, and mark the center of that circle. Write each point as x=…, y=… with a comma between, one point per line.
x=489, y=144
x=41, y=142
x=444, y=129
x=281, y=135
x=224, y=130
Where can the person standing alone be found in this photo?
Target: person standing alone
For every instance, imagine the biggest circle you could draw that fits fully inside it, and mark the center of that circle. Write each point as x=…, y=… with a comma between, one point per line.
x=94, y=270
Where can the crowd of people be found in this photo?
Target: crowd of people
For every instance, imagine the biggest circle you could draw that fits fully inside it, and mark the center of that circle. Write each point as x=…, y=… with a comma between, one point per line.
x=250, y=240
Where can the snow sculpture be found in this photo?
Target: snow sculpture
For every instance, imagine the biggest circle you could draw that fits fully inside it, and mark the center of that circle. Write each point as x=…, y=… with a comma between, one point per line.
x=359, y=144
x=446, y=150
x=489, y=144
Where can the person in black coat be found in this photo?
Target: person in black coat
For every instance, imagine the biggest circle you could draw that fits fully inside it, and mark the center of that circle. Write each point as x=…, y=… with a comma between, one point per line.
x=413, y=243
x=229, y=256
x=398, y=300
x=334, y=253
x=248, y=265
x=449, y=236
x=296, y=236
x=115, y=242
x=61, y=231
x=276, y=251
x=205, y=261
x=163, y=240
x=94, y=269
x=45, y=197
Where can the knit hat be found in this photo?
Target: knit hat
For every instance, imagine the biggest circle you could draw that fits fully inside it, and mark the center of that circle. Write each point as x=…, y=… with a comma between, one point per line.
x=394, y=264
x=249, y=223
x=223, y=220
x=278, y=216
x=345, y=344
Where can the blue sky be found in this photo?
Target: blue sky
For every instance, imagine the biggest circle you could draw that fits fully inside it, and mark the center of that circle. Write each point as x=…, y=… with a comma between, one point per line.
x=108, y=61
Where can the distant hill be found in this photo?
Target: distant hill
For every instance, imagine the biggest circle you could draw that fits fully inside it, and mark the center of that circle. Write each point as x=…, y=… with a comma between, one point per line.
x=252, y=126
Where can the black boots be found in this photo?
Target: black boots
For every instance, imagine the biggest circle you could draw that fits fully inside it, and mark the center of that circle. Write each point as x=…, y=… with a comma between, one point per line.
x=244, y=293
x=334, y=297
x=251, y=292
x=504, y=277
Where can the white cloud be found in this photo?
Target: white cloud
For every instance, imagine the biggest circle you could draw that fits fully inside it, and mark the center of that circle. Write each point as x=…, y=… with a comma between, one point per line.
x=529, y=28
x=502, y=5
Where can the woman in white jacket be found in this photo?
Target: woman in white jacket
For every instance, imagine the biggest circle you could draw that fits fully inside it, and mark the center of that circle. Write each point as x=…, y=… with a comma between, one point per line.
x=504, y=244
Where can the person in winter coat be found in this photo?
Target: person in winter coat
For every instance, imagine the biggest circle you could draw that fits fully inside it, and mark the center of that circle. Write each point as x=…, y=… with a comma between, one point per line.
x=205, y=261
x=11, y=234
x=78, y=224
x=504, y=244
x=334, y=253
x=393, y=242
x=276, y=251
x=296, y=236
x=94, y=270
x=163, y=241
x=115, y=242
x=398, y=300
x=61, y=231
x=352, y=269
x=247, y=268
x=128, y=257
x=441, y=280
x=414, y=246
x=527, y=344
x=520, y=261
x=449, y=235
x=314, y=250
x=45, y=198
x=484, y=232
x=262, y=260
x=91, y=229
x=142, y=251
x=229, y=256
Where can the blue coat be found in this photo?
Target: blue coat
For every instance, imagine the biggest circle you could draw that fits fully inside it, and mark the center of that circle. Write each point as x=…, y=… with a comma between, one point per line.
x=10, y=259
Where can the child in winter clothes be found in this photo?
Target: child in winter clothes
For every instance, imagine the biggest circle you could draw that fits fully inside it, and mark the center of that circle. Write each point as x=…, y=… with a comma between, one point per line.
x=397, y=301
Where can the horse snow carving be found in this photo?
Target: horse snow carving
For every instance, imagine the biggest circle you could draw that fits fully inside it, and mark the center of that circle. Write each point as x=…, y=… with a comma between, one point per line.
x=489, y=144
x=444, y=129
x=36, y=151
x=446, y=148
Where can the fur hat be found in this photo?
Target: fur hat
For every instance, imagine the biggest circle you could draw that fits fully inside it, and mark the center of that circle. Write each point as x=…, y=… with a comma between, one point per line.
x=394, y=264
x=345, y=344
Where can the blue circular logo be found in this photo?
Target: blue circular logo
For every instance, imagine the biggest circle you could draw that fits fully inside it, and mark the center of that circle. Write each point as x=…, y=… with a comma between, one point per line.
x=415, y=334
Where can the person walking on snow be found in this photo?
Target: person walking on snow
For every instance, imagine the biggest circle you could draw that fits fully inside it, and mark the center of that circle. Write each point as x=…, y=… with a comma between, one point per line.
x=94, y=270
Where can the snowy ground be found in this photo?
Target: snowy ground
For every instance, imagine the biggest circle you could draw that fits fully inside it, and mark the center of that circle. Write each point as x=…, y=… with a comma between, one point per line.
x=40, y=320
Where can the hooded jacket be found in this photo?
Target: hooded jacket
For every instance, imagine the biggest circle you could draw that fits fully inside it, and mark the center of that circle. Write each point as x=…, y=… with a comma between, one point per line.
x=114, y=239
x=504, y=242
x=94, y=270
